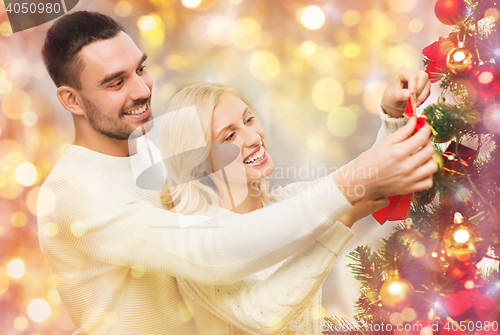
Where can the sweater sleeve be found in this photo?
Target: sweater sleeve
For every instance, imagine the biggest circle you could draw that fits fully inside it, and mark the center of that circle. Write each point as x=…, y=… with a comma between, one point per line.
x=127, y=231
x=267, y=305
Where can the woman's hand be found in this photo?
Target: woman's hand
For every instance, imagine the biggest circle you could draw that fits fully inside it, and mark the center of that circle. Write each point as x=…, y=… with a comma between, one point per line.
x=405, y=81
x=362, y=209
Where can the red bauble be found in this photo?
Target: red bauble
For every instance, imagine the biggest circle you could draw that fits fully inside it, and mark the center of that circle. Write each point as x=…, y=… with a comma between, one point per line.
x=483, y=84
x=450, y=12
x=459, y=271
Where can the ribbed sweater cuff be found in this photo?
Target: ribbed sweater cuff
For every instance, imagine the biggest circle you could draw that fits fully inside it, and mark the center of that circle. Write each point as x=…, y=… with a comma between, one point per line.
x=326, y=201
x=389, y=124
x=336, y=238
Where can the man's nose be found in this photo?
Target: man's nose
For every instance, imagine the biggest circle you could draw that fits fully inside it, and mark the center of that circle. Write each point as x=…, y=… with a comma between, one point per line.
x=139, y=89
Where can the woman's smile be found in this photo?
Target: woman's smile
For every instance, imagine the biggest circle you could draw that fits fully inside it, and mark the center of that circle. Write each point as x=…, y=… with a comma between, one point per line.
x=257, y=158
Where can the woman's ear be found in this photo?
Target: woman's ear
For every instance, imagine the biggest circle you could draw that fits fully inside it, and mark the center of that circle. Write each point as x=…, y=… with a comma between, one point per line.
x=70, y=99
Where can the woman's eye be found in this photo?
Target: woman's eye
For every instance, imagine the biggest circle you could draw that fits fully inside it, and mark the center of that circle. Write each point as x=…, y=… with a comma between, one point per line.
x=230, y=137
x=250, y=119
x=141, y=68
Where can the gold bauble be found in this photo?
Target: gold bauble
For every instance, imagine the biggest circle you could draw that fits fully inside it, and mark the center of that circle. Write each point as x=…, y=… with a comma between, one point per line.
x=459, y=60
x=438, y=158
x=442, y=138
x=408, y=234
x=462, y=243
x=397, y=293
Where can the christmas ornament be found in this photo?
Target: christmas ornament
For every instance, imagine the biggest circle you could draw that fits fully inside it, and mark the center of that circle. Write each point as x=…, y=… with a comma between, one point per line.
x=460, y=302
x=408, y=234
x=397, y=293
x=462, y=243
x=436, y=54
x=435, y=257
x=399, y=205
x=483, y=83
x=459, y=60
x=438, y=158
x=427, y=196
x=458, y=158
x=450, y=12
x=461, y=270
x=398, y=209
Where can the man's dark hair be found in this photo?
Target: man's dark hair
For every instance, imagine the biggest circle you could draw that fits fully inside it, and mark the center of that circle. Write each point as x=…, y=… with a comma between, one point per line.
x=67, y=36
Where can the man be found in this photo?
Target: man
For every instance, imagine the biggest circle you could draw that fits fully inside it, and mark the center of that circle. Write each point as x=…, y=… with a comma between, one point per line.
x=115, y=274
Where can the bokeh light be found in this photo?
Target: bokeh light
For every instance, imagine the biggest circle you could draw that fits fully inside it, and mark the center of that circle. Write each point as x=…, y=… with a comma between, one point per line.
x=191, y=3
x=416, y=25
x=219, y=30
x=15, y=268
x=342, y=122
x=21, y=323
x=15, y=104
x=264, y=65
x=371, y=95
x=78, y=228
x=4, y=281
x=308, y=47
x=123, y=8
x=493, y=12
x=351, y=17
x=327, y=94
x=29, y=118
x=18, y=219
x=39, y=310
x=146, y=23
x=351, y=50
x=246, y=33
x=312, y=17
x=26, y=174
x=402, y=6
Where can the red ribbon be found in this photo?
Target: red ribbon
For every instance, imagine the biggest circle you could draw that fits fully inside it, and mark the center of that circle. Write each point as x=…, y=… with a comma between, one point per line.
x=399, y=206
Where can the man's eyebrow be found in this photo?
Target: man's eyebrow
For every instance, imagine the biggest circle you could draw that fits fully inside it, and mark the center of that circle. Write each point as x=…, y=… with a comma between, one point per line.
x=223, y=129
x=112, y=76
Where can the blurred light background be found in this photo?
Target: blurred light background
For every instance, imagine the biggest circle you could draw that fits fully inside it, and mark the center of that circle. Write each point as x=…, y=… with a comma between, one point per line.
x=313, y=69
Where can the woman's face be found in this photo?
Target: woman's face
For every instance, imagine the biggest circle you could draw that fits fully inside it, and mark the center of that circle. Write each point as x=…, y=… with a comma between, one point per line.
x=234, y=122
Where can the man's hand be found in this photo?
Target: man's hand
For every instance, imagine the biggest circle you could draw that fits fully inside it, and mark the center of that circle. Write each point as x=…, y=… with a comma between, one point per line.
x=405, y=81
x=398, y=164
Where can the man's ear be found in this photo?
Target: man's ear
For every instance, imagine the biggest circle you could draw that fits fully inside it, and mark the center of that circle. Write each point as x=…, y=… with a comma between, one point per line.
x=70, y=99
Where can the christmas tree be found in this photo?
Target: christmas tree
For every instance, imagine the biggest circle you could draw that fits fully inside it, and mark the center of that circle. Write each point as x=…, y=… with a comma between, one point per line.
x=426, y=278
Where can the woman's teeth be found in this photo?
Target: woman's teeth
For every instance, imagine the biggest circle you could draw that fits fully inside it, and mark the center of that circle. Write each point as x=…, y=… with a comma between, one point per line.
x=255, y=157
x=137, y=111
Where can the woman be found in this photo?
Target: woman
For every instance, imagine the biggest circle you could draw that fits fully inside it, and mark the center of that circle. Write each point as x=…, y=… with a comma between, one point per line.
x=217, y=162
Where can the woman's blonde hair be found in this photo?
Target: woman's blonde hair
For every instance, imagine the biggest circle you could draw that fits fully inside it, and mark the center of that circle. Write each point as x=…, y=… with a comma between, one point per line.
x=188, y=188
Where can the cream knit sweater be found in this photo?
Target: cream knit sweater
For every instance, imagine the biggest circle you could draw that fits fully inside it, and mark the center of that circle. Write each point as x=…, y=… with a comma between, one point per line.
x=282, y=299
x=115, y=252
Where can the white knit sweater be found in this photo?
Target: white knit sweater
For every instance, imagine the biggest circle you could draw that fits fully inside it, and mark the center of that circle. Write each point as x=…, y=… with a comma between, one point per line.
x=115, y=252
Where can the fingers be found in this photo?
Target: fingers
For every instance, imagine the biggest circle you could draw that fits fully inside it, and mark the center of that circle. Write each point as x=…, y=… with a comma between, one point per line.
x=402, y=95
x=422, y=185
x=420, y=139
x=413, y=81
x=424, y=94
x=402, y=133
x=422, y=156
x=423, y=177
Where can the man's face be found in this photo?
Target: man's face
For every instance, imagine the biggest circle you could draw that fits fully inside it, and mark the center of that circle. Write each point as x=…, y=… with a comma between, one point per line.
x=116, y=87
